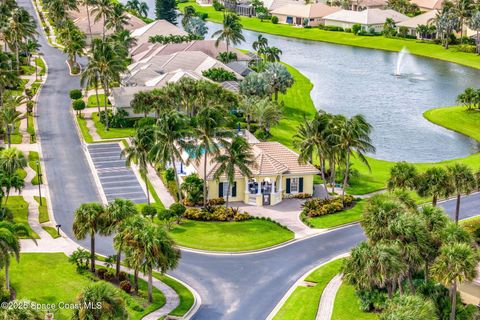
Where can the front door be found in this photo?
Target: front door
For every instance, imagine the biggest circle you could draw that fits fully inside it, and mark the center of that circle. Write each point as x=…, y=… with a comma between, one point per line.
x=298, y=21
x=266, y=199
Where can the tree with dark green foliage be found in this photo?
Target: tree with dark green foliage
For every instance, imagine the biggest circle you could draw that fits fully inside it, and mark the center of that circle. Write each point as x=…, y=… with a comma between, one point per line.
x=165, y=10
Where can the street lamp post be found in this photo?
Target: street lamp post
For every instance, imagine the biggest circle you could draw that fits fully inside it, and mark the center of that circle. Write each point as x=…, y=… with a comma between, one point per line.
x=58, y=226
x=39, y=174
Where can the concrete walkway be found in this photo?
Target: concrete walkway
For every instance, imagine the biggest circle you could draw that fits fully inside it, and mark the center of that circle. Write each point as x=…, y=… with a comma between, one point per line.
x=327, y=301
x=286, y=213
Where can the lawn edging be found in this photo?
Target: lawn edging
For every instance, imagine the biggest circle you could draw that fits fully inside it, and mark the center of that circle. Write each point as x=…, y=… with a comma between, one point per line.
x=282, y=301
x=434, y=117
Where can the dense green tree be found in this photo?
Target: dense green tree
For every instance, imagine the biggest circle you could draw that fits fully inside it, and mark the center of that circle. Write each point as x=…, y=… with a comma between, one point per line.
x=8, y=76
x=118, y=19
x=434, y=182
x=12, y=160
x=409, y=307
x=165, y=10
x=266, y=113
x=10, y=117
x=73, y=41
x=103, y=10
x=256, y=85
x=402, y=176
x=278, y=78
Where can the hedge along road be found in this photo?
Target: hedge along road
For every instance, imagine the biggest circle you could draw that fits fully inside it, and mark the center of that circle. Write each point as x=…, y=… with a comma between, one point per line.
x=231, y=286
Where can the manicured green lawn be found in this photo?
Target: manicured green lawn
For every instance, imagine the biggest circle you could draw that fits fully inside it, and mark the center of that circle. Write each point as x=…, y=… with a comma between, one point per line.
x=112, y=133
x=27, y=70
x=303, y=302
x=414, y=46
x=50, y=278
x=19, y=209
x=337, y=219
x=32, y=163
x=39, y=62
x=92, y=101
x=43, y=209
x=229, y=236
x=347, y=306
x=51, y=231
x=456, y=118
x=186, y=297
x=82, y=124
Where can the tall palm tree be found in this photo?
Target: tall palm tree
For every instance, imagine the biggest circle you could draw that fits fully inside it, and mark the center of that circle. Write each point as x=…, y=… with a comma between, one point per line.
x=8, y=76
x=118, y=19
x=463, y=182
x=457, y=262
x=278, y=78
x=474, y=24
x=137, y=152
x=271, y=54
x=231, y=32
x=88, y=4
x=260, y=44
x=210, y=136
x=108, y=65
x=463, y=9
x=402, y=176
x=29, y=47
x=103, y=294
x=143, y=9
x=353, y=137
x=73, y=41
x=434, y=182
x=9, y=117
x=9, y=181
x=20, y=27
x=237, y=155
x=90, y=219
x=11, y=160
x=10, y=233
x=158, y=251
x=103, y=10
x=117, y=213
x=410, y=307
x=171, y=132
x=90, y=77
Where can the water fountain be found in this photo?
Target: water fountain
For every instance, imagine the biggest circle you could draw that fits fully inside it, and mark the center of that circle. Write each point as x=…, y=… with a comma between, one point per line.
x=400, y=61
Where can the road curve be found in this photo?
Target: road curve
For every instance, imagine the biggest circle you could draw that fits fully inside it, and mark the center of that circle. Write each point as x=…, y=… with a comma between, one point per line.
x=231, y=287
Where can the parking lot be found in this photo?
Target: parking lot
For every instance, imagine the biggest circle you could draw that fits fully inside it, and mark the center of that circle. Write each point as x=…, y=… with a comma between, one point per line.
x=117, y=180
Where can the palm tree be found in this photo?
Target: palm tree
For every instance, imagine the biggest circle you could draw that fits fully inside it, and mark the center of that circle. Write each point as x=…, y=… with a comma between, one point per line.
x=463, y=9
x=74, y=42
x=353, y=137
x=29, y=47
x=158, y=252
x=410, y=307
x=132, y=5
x=468, y=98
x=90, y=219
x=231, y=32
x=188, y=13
x=260, y=44
x=271, y=54
x=12, y=160
x=143, y=9
x=28, y=311
x=474, y=24
x=20, y=27
x=8, y=77
x=9, y=181
x=463, y=181
x=108, y=65
x=434, y=182
x=311, y=138
x=117, y=213
x=210, y=136
x=266, y=113
x=91, y=78
x=402, y=176
x=237, y=155
x=10, y=233
x=170, y=139
x=123, y=39
x=117, y=20
x=88, y=4
x=103, y=10
x=103, y=294
x=10, y=116
x=457, y=262
x=255, y=85
x=278, y=77
x=137, y=152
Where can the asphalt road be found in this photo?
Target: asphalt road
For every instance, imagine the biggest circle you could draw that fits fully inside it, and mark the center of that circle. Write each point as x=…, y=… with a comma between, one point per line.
x=236, y=287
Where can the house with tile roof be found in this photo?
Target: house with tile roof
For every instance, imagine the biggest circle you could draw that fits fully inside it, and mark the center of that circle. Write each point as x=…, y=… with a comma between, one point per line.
x=367, y=19
x=277, y=174
x=427, y=19
x=426, y=5
x=296, y=14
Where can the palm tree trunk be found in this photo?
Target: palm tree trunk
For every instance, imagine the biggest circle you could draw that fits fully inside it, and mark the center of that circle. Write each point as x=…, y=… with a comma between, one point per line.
x=400, y=287
x=98, y=99
x=205, y=180
x=347, y=172
x=434, y=200
x=453, y=292
x=333, y=173
x=9, y=135
x=7, y=275
x=410, y=282
x=276, y=95
x=322, y=169
x=478, y=42
x=105, y=101
x=177, y=180
x=135, y=281
x=146, y=186
x=228, y=194
x=17, y=57
x=89, y=24
x=457, y=208
x=119, y=259
x=92, y=252
x=150, y=295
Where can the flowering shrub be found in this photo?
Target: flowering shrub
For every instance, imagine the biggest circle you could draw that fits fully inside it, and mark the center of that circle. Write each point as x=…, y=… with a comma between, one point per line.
x=320, y=207
x=216, y=213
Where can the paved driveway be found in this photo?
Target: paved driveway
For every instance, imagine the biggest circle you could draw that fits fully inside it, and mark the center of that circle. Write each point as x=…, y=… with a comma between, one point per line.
x=117, y=180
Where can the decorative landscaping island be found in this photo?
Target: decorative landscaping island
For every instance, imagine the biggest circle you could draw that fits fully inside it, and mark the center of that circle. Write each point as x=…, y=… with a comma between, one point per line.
x=230, y=236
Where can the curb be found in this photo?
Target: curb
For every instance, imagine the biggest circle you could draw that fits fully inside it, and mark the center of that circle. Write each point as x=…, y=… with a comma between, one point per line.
x=197, y=300
x=282, y=301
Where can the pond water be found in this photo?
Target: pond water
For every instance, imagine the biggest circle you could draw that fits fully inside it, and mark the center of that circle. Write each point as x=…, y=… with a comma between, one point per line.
x=351, y=81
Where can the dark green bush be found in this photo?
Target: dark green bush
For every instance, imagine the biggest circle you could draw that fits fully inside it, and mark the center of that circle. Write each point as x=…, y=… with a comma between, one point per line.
x=75, y=94
x=117, y=120
x=78, y=105
x=145, y=122
x=219, y=75
x=217, y=5
x=149, y=211
x=126, y=286
x=274, y=19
